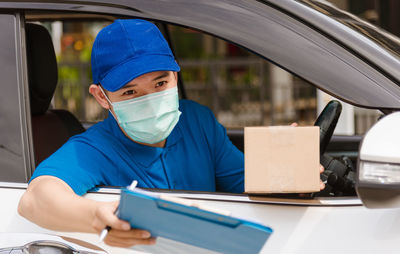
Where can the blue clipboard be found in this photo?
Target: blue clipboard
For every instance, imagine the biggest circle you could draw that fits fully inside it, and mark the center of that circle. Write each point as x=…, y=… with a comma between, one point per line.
x=191, y=225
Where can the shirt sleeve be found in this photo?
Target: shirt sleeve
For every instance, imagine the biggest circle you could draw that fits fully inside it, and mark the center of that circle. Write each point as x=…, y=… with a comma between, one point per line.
x=77, y=163
x=228, y=160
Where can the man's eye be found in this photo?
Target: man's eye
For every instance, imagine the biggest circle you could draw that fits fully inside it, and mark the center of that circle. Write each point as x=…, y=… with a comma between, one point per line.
x=129, y=92
x=161, y=83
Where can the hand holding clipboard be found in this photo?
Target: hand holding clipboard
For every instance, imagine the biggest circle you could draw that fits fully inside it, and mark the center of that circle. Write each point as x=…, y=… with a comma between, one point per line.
x=185, y=221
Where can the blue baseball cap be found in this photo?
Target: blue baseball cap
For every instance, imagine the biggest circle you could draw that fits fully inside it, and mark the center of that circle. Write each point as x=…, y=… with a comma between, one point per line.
x=129, y=48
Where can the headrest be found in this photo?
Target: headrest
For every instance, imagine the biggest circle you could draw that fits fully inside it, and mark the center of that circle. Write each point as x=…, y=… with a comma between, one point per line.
x=42, y=67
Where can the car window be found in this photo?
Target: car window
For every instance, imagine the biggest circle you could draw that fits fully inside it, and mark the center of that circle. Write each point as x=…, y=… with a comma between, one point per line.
x=240, y=87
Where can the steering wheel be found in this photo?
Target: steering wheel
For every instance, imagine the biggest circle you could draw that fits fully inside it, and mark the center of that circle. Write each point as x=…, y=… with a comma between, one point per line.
x=327, y=121
x=339, y=173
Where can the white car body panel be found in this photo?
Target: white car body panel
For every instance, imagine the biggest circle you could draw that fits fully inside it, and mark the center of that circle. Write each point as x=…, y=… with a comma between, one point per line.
x=333, y=228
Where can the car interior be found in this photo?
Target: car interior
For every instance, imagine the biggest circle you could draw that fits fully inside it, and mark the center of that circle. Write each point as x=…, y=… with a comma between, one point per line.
x=339, y=159
x=43, y=76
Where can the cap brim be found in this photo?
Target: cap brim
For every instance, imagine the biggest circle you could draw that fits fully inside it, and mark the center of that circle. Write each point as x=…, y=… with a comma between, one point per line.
x=120, y=75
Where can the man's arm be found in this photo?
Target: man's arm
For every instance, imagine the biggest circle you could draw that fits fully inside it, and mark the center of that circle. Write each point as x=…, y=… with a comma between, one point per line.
x=48, y=199
x=51, y=203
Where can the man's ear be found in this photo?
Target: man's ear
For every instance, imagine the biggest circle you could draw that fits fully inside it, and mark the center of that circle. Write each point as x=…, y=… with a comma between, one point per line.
x=95, y=90
x=175, y=75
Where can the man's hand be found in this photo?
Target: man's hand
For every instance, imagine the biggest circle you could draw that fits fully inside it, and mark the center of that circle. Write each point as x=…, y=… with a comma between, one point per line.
x=321, y=184
x=121, y=234
x=51, y=203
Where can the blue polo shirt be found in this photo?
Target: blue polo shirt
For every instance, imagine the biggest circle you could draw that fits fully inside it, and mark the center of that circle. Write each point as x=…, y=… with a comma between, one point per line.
x=198, y=155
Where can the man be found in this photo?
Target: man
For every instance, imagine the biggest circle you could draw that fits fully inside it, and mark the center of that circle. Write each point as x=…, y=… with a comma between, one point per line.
x=149, y=136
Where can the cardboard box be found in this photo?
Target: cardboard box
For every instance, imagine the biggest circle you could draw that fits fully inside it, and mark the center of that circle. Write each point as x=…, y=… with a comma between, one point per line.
x=281, y=159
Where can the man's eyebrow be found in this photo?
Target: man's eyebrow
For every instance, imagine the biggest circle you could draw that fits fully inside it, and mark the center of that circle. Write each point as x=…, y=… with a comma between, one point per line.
x=165, y=74
x=129, y=86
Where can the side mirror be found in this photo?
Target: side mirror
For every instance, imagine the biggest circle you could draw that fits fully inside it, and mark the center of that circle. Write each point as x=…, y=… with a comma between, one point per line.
x=378, y=174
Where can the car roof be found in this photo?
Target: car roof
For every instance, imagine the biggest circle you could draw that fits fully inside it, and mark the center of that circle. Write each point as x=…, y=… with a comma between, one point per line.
x=342, y=55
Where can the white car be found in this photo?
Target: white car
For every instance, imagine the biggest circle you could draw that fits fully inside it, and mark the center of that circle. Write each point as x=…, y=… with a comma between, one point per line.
x=333, y=50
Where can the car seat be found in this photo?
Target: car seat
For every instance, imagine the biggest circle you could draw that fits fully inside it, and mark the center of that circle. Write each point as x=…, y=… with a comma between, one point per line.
x=51, y=128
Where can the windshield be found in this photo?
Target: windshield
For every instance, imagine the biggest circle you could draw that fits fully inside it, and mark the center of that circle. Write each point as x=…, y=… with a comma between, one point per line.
x=378, y=35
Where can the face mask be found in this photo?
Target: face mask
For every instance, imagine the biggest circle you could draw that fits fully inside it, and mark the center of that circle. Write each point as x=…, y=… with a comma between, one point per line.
x=150, y=118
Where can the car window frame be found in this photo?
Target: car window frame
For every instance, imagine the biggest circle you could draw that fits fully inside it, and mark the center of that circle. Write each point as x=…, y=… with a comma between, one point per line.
x=15, y=86
x=247, y=197
x=25, y=89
